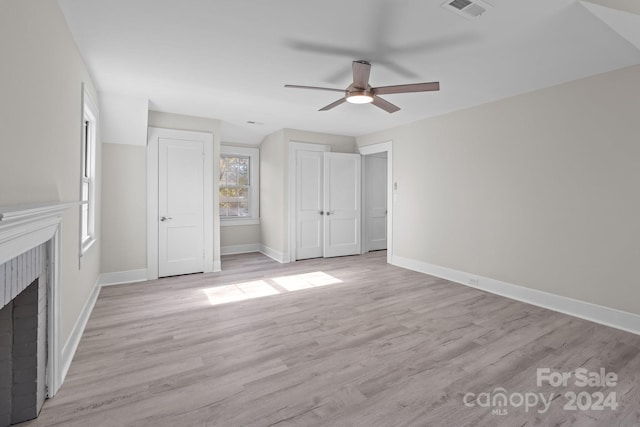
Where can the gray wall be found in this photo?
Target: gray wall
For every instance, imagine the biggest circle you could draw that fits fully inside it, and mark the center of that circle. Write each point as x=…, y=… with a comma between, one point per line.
x=272, y=173
x=124, y=207
x=40, y=129
x=539, y=190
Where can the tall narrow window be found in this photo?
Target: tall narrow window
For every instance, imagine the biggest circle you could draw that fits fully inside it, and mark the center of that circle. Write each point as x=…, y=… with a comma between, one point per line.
x=239, y=185
x=87, y=175
x=235, y=185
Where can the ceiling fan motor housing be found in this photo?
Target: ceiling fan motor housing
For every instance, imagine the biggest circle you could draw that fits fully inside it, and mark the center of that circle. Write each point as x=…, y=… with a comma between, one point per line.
x=359, y=96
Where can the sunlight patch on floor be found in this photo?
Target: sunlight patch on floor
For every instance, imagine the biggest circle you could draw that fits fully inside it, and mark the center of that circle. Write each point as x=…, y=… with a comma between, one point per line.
x=260, y=288
x=242, y=291
x=305, y=281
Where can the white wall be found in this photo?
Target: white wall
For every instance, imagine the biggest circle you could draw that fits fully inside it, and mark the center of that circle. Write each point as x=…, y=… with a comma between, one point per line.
x=233, y=236
x=539, y=190
x=124, y=208
x=124, y=118
x=41, y=80
x=272, y=175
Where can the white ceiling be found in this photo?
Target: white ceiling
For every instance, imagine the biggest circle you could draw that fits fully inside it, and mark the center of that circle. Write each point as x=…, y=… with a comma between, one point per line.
x=229, y=59
x=623, y=16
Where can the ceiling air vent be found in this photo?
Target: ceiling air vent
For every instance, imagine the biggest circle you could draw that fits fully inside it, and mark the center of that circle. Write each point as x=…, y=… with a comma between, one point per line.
x=467, y=8
x=460, y=4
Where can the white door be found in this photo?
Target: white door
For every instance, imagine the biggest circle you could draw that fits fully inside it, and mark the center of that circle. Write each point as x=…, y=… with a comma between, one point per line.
x=180, y=207
x=327, y=204
x=342, y=204
x=375, y=200
x=309, y=204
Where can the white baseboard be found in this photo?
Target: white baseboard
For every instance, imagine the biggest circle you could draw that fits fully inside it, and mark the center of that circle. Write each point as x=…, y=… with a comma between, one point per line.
x=282, y=258
x=240, y=249
x=618, y=319
x=119, y=277
x=70, y=347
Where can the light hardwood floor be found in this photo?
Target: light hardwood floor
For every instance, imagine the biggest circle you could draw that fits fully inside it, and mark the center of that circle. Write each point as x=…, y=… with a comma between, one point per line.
x=382, y=346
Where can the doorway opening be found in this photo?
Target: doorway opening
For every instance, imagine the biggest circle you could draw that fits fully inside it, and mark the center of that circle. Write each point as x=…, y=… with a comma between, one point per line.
x=374, y=202
x=380, y=159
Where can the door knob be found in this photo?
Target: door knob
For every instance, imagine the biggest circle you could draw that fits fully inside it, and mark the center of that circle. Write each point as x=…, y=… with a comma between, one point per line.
x=321, y=212
x=165, y=218
x=330, y=212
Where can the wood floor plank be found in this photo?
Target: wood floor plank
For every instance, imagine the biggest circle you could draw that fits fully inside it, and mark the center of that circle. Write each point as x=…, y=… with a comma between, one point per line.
x=349, y=341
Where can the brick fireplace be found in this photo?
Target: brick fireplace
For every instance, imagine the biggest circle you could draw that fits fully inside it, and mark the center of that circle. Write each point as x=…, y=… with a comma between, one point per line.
x=30, y=368
x=23, y=338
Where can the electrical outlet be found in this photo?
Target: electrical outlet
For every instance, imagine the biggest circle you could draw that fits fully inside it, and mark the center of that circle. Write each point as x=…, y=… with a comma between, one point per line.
x=474, y=281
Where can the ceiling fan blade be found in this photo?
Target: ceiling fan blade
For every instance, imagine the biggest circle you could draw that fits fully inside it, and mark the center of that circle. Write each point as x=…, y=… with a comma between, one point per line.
x=314, y=87
x=340, y=76
x=361, y=70
x=398, y=69
x=334, y=104
x=417, y=87
x=384, y=104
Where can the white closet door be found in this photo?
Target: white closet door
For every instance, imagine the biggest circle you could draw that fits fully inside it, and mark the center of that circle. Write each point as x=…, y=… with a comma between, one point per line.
x=180, y=207
x=342, y=181
x=309, y=204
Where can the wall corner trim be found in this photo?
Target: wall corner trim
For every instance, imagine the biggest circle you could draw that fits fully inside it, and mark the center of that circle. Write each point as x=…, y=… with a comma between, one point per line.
x=614, y=318
x=282, y=258
x=120, y=277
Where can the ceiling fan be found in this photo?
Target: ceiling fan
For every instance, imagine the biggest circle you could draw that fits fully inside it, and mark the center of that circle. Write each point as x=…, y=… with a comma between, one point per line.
x=360, y=92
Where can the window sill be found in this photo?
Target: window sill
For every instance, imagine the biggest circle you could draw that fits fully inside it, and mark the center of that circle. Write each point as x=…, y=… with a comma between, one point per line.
x=239, y=221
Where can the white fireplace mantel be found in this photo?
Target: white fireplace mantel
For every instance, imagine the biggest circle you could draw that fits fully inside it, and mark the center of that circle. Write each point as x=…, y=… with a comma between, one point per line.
x=22, y=228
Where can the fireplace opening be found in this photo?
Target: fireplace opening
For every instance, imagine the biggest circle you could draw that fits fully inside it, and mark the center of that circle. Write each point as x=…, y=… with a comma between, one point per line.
x=30, y=254
x=23, y=354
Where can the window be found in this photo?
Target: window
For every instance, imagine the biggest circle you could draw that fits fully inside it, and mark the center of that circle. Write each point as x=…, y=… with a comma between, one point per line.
x=239, y=185
x=87, y=172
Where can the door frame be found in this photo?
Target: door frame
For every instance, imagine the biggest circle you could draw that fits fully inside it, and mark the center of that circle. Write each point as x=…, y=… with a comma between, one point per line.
x=365, y=198
x=152, y=193
x=383, y=147
x=294, y=147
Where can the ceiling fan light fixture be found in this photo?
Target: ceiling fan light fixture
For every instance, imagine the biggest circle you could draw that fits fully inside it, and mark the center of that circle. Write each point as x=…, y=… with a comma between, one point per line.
x=361, y=92
x=359, y=97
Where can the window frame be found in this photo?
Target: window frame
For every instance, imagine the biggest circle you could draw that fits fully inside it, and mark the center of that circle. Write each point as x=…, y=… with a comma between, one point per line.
x=254, y=184
x=88, y=146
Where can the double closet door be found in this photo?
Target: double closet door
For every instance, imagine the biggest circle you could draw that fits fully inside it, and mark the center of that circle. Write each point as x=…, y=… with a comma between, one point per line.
x=328, y=199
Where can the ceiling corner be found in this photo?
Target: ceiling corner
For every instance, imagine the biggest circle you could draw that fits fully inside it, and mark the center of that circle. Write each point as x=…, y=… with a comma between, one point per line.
x=621, y=16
